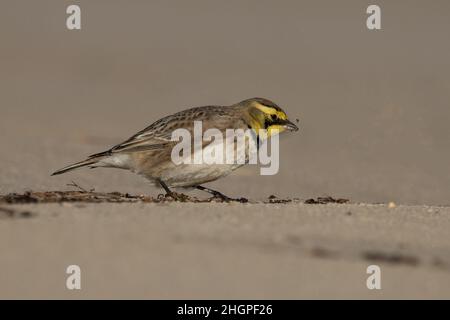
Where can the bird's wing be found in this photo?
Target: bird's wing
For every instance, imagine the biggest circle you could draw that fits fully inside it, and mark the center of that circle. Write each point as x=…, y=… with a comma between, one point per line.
x=158, y=135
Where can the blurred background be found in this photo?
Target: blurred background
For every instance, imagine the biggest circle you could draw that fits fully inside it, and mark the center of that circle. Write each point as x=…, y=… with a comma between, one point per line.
x=373, y=106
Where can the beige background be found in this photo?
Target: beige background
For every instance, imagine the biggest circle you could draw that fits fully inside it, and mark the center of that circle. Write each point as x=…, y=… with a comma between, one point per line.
x=374, y=106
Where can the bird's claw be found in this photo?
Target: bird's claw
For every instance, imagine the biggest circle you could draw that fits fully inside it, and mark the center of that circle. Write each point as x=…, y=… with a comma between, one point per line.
x=177, y=196
x=225, y=198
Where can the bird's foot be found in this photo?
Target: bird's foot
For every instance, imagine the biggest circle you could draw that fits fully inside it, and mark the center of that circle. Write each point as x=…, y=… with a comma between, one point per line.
x=170, y=195
x=216, y=195
x=221, y=197
x=225, y=198
x=175, y=196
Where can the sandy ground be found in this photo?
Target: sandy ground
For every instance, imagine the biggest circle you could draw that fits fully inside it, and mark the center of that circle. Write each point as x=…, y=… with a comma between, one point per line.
x=373, y=110
x=373, y=106
x=209, y=251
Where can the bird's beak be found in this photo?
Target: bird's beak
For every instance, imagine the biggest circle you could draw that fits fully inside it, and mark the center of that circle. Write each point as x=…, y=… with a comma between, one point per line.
x=288, y=125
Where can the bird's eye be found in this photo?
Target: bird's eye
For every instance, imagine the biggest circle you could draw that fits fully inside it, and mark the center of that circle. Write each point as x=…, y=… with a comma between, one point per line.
x=274, y=117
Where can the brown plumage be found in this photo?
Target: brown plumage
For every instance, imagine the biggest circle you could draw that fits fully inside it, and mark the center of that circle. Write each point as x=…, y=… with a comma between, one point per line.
x=148, y=152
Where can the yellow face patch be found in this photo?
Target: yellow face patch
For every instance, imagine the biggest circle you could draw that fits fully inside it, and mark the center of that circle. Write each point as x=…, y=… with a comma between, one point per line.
x=270, y=111
x=269, y=117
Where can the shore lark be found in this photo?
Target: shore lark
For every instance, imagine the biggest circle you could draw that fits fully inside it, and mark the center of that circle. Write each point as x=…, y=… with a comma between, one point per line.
x=148, y=152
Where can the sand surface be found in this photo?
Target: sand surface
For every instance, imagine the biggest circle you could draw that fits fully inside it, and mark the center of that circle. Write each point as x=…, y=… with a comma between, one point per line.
x=183, y=250
x=373, y=110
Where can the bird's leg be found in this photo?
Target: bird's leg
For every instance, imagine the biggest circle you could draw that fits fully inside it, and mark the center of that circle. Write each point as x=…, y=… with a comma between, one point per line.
x=173, y=195
x=216, y=193
x=169, y=192
x=166, y=188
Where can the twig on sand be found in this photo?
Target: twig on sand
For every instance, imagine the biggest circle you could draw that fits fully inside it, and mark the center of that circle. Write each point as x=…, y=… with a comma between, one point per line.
x=76, y=185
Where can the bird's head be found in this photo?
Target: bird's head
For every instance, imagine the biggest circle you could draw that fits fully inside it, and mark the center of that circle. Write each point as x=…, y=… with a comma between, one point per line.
x=264, y=114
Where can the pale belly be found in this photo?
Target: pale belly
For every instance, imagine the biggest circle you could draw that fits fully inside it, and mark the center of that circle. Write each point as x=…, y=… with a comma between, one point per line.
x=184, y=174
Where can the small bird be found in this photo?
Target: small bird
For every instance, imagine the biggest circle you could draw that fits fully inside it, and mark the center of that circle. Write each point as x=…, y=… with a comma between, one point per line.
x=148, y=152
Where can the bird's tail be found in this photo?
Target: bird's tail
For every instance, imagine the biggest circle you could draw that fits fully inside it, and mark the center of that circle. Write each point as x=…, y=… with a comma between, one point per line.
x=91, y=161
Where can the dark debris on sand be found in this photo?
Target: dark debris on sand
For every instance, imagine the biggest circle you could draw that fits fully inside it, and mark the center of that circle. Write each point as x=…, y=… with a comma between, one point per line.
x=275, y=199
x=10, y=213
x=326, y=200
x=393, y=258
x=99, y=197
x=117, y=197
x=66, y=196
